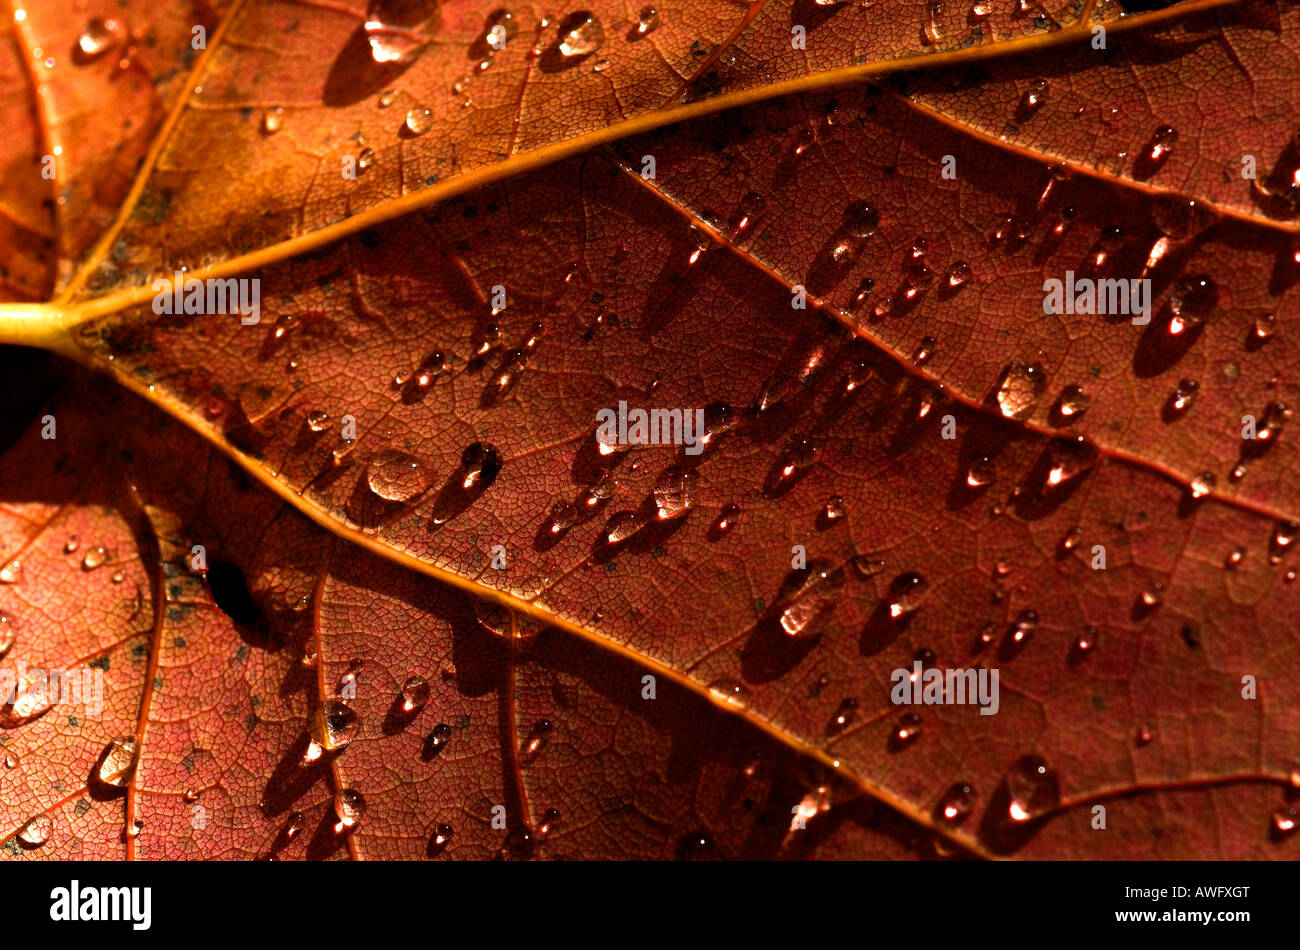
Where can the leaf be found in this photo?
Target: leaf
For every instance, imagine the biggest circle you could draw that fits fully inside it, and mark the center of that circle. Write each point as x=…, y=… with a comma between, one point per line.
x=950, y=461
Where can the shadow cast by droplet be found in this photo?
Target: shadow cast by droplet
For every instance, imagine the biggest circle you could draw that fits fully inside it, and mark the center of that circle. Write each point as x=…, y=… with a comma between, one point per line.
x=882, y=630
x=291, y=778
x=354, y=75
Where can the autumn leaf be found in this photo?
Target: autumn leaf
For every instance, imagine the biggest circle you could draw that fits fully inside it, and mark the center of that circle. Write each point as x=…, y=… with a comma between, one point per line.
x=362, y=577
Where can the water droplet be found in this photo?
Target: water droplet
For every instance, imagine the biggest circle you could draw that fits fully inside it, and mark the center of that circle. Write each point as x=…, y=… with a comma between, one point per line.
x=906, y=729
x=813, y=600
x=835, y=509
x=1162, y=142
x=859, y=223
x=480, y=463
x=719, y=417
x=441, y=836
x=647, y=21
x=980, y=472
x=1234, y=557
x=415, y=694
x=956, y=803
x=272, y=119
x=317, y=420
x=1086, y=642
x=294, y=824
x=1024, y=627
x=1190, y=300
x=387, y=98
x=1145, y=734
x=1072, y=403
x=1183, y=396
x=1035, y=96
x=36, y=831
x=350, y=807
x=924, y=350
x=958, y=274
x=419, y=120
x=1284, y=820
x=117, y=761
x=1033, y=788
x=843, y=716
x=99, y=36
x=675, y=493
x=726, y=520
x=397, y=29
x=333, y=727
x=580, y=34
x=190, y=796
x=1070, y=458
x=535, y=740
x=501, y=28
x=749, y=210
x=906, y=593
x=1019, y=388
x=396, y=476
x=798, y=456
x=94, y=557
x=1154, y=595
x=71, y=545
x=1202, y=484
x=561, y=517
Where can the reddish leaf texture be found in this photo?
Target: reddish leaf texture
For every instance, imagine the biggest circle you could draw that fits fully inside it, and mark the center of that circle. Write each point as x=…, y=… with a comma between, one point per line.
x=353, y=571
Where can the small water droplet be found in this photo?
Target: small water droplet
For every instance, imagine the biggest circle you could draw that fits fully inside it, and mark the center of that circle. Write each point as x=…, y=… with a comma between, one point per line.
x=906, y=729
x=906, y=594
x=843, y=716
x=94, y=557
x=365, y=159
x=480, y=463
x=272, y=119
x=1202, y=484
x=71, y=545
x=396, y=476
x=117, y=761
x=1154, y=595
x=1285, y=820
x=726, y=520
x=958, y=274
x=1070, y=458
x=1033, y=788
x=350, y=807
x=835, y=509
x=415, y=694
x=1072, y=403
x=1183, y=396
x=580, y=34
x=1035, y=96
x=866, y=566
x=647, y=21
x=294, y=824
x=561, y=518
x=387, y=98
x=1234, y=557
x=980, y=472
x=317, y=420
x=535, y=740
x=98, y=36
x=1086, y=642
x=419, y=120
x=190, y=796
x=1162, y=142
x=956, y=803
x=1024, y=627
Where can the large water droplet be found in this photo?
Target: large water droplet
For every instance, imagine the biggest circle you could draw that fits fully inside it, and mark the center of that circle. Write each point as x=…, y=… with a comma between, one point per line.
x=333, y=727
x=117, y=761
x=480, y=463
x=622, y=526
x=814, y=600
x=419, y=119
x=675, y=493
x=1019, y=388
x=415, y=694
x=396, y=476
